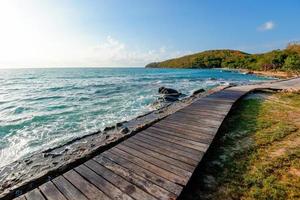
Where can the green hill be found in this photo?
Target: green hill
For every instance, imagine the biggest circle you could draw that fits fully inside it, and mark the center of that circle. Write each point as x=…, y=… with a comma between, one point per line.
x=287, y=59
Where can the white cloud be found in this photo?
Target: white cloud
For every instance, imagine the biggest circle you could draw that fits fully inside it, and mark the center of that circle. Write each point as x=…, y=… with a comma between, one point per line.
x=269, y=25
x=112, y=52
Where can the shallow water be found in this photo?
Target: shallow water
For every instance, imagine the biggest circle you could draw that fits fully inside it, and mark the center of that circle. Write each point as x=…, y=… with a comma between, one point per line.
x=42, y=108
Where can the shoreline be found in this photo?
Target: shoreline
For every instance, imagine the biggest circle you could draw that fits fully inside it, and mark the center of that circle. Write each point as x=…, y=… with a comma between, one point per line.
x=273, y=74
x=41, y=166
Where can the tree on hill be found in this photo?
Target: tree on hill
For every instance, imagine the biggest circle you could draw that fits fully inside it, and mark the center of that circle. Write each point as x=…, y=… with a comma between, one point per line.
x=286, y=59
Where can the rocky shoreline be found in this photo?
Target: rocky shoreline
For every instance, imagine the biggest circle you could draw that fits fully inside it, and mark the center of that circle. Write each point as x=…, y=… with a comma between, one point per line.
x=19, y=175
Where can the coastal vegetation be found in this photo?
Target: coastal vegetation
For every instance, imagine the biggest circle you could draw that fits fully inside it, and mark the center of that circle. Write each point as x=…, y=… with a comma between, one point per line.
x=256, y=154
x=287, y=59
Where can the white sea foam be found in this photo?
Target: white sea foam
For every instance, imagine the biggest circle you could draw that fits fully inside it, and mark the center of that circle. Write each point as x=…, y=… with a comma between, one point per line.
x=42, y=108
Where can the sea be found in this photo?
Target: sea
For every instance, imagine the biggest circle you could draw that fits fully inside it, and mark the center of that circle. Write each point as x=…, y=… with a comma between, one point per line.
x=42, y=108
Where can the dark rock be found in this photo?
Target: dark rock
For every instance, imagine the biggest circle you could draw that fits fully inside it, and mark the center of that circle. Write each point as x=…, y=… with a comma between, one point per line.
x=168, y=91
x=198, y=91
x=119, y=124
x=170, y=98
x=124, y=130
x=109, y=128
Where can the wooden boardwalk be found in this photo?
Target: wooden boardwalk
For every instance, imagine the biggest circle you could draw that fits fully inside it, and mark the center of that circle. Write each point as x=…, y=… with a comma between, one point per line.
x=156, y=163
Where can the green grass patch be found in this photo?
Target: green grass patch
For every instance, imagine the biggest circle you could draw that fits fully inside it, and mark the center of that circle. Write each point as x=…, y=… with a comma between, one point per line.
x=257, y=154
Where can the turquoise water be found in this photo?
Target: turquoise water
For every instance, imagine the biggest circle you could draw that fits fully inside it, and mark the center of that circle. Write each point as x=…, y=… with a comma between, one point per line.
x=41, y=108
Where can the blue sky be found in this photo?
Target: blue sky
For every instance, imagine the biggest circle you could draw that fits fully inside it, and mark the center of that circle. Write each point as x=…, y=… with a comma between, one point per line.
x=134, y=32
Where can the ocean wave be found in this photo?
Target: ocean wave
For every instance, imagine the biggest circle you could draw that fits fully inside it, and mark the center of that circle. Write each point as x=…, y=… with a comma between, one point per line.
x=50, y=106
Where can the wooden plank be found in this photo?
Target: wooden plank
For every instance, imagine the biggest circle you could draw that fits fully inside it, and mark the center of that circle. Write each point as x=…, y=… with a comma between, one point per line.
x=158, y=180
x=186, y=143
x=200, y=146
x=196, y=112
x=184, y=134
x=202, y=143
x=20, y=198
x=109, y=189
x=189, y=125
x=183, y=174
x=195, y=119
x=194, y=116
x=88, y=189
x=182, y=150
x=207, y=121
x=200, y=106
x=166, y=151
x=135, y=179
x=118, y=181
x=180, y=135
x=153, y=168
x=51, y=192
x=67, y=189
x=219, y=105
x=207, y=106
x=217, y=100
x=201, y=129
x=195, y=123
x=159, y=156
x=34, y=195
x=181, y=132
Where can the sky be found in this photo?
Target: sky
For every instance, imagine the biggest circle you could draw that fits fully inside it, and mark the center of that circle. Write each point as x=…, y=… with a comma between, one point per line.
x=122, y=33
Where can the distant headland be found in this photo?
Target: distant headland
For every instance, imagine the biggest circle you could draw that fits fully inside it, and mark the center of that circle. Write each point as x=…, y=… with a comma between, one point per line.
x=287, y=59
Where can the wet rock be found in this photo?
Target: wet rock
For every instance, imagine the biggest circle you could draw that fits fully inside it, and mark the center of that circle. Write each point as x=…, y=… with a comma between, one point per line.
x=119, y=124
x=198, y=91
x=169, y=95
x=124, y=130
x=168, y=91
x=109, y=128
x=170, y=98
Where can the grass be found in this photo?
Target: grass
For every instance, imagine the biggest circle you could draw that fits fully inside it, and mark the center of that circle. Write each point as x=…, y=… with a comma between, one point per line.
x=257, y=152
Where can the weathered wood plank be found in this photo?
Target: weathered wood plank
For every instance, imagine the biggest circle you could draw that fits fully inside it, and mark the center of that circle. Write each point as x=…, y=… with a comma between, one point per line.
x=183, y=174
x=195, y=116
x=34, y=195
x=67, y=189
x=51, y=192
x=182, y=150
x=184, y=134
x=108, y=188
x=156, y=179
x=201, y=132
x=159, y=156
x=20, y=198
x=180, y=135
x=196, y=119
x=153, y=168
x=118, y=181
x=202, y=110
x=201, y=129
x=135, y=179
x=186, y=143
x=88, y=189
x=208, y=121
x=164, y=150
x=198, y=145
